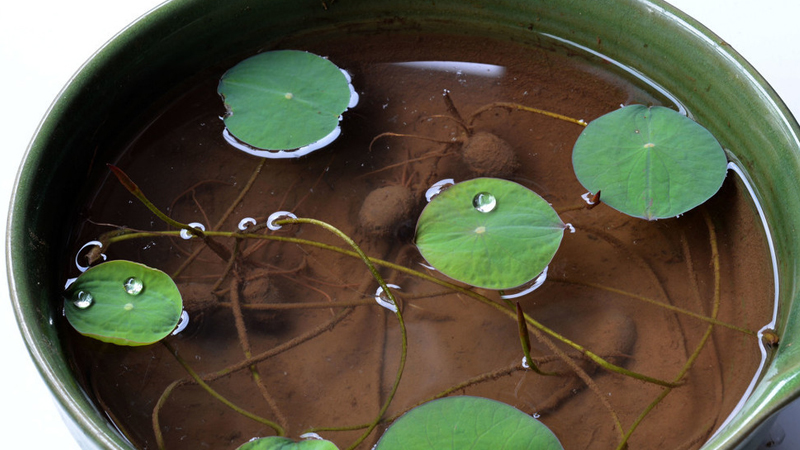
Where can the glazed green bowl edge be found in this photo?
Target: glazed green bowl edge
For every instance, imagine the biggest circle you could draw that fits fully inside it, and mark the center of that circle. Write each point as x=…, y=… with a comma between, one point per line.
x=722, y=91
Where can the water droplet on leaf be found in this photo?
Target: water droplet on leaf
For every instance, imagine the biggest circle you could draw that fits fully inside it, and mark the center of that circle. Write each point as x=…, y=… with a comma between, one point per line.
x=84, y=300
x=484, y=202
x=133, y=286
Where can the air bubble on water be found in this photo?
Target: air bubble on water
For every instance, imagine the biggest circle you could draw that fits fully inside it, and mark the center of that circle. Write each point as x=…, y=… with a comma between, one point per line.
x=88, y=244
x=383, y=300
x=533, y=285
x=186, y=234
x=277, y=216
x=313, y=436
x=133, y=286
x=525, y=363
x=246, y=222
x=183, y=322
x=437, y=188
x=484, y=202
x=569, y=227
x=587, y=197
x=536, y=415
x=83, y=300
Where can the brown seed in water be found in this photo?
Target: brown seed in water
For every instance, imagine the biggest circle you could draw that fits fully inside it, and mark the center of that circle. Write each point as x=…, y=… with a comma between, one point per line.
x=386, y=208
x=490, y=156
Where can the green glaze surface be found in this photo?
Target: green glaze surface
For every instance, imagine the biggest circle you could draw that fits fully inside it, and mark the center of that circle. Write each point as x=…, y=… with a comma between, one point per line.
x=183, y=37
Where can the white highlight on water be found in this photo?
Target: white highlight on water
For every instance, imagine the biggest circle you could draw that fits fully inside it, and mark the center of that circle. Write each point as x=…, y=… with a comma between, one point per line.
x=246, y=222
x=313, y=436
x=183, y=322
x=277, y=216
x=383, y=301
x=537, y=283
x=635, y=73
x=185, y=234
x=437, y=188
x=86, y=267
x=771, y=325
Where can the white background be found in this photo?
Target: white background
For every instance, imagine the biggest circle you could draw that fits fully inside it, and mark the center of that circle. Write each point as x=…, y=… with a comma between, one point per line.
x=42, y=43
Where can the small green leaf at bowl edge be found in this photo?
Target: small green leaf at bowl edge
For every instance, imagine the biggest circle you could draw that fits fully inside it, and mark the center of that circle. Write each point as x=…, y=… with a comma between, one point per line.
x=124, y=303
x=649, y=162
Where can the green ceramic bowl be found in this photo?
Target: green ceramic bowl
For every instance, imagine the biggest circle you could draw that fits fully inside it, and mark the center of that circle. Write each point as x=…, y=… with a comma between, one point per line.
x=182, y=37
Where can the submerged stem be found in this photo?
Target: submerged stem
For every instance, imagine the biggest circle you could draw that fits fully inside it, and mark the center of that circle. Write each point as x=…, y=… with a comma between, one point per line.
x=519, y=107
x=468, y=292
x=278, y=429
x=712, y=237
x=388, y=292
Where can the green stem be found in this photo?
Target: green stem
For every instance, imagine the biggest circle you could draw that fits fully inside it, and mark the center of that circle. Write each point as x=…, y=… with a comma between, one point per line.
x=278, y=429
x=712, y=236
x=404, y=338
x=133, y=188
x=597, y=359
x=525, y=339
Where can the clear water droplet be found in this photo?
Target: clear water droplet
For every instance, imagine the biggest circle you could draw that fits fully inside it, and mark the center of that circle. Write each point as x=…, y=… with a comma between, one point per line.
x=570, y=227
x=437, y=188
x=384, y=300
x=83, y=300
x=133, y=286
x=484, y=202
x=246, y=223
x=277, y=216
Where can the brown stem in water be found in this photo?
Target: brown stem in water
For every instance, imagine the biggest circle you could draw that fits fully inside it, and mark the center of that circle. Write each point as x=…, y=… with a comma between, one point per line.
x=225, y=216
x=241, y=329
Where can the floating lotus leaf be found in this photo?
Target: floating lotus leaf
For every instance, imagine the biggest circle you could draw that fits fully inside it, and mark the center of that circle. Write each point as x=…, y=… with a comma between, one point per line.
x=284, y=99
x=124, y=303
x=467, y=423
x=649, y=162
x=489, y=233
x=282, y=443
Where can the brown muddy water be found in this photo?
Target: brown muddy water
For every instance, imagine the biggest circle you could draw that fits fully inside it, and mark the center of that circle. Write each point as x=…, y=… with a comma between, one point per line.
x=327, y=365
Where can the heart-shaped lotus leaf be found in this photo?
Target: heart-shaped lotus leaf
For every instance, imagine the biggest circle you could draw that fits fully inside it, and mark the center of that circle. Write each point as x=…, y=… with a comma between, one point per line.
x=282, y=443
x=123, y=302
x=649, y=162
x=467, y=423
x=283, y=99
x=489, y=233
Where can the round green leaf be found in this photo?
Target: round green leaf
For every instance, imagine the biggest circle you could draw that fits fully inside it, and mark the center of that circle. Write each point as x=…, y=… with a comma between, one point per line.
x=124, y=303
x=467, y=423
x=649, y=162
x=284, y=99
x=282, y=443
x=489, y=233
